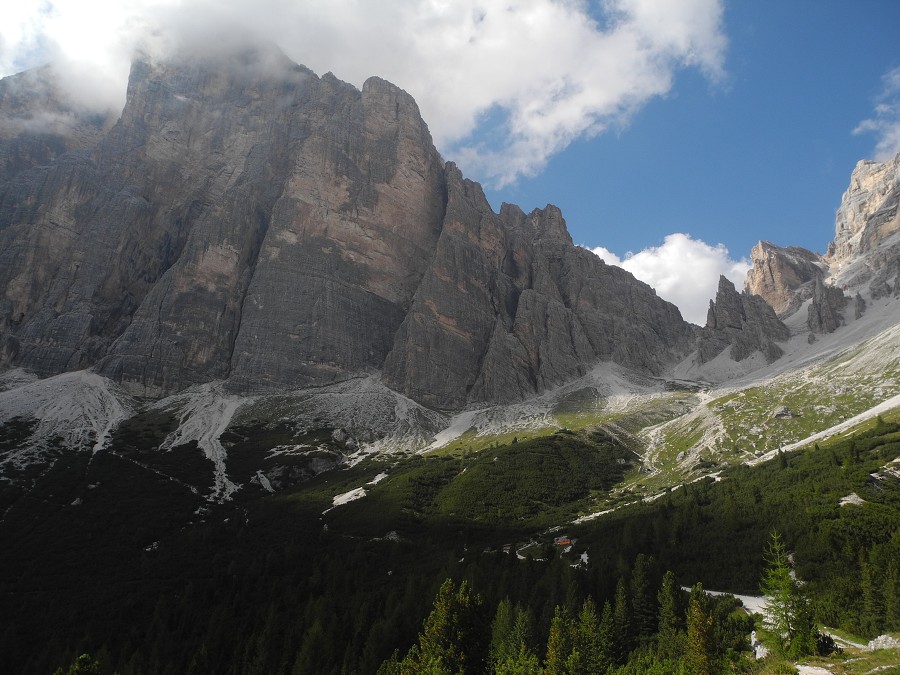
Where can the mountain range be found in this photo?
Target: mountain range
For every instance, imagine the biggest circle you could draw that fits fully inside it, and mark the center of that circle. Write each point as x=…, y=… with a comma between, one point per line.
x=273, y=373
x=249, y=241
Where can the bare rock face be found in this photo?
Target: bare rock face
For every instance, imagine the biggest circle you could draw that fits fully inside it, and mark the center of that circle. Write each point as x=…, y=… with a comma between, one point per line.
x=510, y=307
x=783, y=277
x=825, y=310
x=865, y=254
x=248, y=221
x=742, y=321
x=868, y=213
x=244, y=219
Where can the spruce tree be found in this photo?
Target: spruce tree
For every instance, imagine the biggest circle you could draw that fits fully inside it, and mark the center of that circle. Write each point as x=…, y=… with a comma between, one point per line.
x=607, y=637
x=622, y=626
x=873, y=595
x=643, y=602
x=669, y=636
x=83, y=665
x=501, y=630
x=892, y=594
x=588, y=641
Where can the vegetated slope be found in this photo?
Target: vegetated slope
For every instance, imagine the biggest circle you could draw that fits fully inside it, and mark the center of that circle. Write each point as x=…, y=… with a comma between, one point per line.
x=113, y=555
x=684, y=430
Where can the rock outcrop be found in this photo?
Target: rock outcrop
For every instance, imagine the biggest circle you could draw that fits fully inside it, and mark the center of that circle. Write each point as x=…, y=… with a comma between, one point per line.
x=742, y=321
x=783, y=277
x=868, y=212
x=825, y=312
x=863, y=259
x=510, y=307
x=245, y=220
x=865, y=253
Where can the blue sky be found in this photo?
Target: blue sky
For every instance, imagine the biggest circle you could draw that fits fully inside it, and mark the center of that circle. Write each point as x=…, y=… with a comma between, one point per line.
x=680, y=132
x=764, y=154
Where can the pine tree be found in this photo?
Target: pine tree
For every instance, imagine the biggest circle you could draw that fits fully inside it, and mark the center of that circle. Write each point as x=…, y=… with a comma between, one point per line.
x=780, y=589
x=669, y=636
x=588, y=642
x=607, y=637
x=451, y=640
x=699, y=648
x=643, y=602
x=788, y=614
x=511, y=636
x=622, y=622
x=559, y=643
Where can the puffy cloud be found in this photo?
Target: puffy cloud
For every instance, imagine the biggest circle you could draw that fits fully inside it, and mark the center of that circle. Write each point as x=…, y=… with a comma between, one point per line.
x=684, y=271
x=503, y=86
x=886, y=122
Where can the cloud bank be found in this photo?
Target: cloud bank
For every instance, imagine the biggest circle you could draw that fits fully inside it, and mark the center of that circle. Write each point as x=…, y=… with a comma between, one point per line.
x=503, y=86
x=886, y=122
x=684, y=271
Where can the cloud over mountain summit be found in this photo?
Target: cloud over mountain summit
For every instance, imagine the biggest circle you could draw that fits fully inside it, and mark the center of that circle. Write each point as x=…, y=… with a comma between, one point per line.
x=503, y=87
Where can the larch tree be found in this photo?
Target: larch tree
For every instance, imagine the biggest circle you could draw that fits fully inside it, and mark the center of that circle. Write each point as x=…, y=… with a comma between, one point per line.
x=699, y=648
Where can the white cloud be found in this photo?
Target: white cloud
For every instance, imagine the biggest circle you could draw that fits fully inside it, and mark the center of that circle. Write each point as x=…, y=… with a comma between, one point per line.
x=684, y=271
x=886, y=122
x=503, y=86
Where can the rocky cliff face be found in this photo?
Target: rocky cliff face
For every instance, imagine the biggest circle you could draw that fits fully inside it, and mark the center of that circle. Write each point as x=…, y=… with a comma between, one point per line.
x=742, y=321
x=868, y=211
x=864, y=257
x=509, y=307
x=244, y=219
x=865, y=254
x=824, y=314
x=783, y=277
x=248, y=221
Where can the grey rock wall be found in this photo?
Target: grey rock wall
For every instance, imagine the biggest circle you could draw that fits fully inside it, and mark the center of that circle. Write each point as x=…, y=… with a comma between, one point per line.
x=248, y=221
x=743, y=322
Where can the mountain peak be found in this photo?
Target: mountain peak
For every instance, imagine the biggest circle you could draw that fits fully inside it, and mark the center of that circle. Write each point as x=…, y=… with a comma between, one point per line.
x=250, y=222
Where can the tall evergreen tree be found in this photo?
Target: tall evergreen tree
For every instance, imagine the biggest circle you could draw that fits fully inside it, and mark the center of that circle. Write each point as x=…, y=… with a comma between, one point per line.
x=873, y=596
x=607, y=637
x=780, y=590
x=560, y=643
x=788, y=614
x=699, y=648
x=643, y=601
x=83, y=665
x=892, y=592
x=501, y=630
x=511, y=636
x=588, y=642
x=669, y=636
x=452, y=637
x=622, y=627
